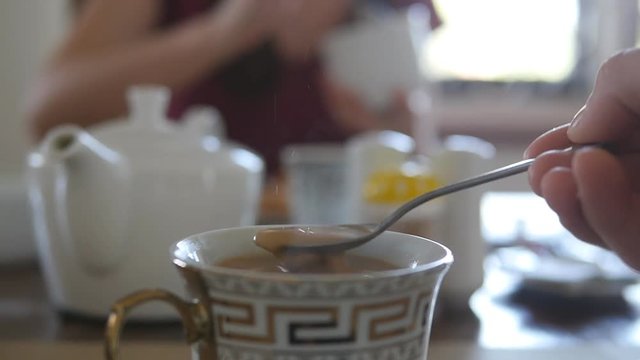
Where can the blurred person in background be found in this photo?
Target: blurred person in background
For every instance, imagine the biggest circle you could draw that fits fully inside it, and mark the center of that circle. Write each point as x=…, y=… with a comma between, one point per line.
x=256, y=61
x=596, y=192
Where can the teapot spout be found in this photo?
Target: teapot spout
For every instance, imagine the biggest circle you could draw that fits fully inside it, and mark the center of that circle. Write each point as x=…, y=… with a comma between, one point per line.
x=88, y=196
x=70, y=141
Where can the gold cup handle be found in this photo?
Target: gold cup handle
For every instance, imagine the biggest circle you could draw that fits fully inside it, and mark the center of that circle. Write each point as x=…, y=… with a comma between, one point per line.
x=194, y=316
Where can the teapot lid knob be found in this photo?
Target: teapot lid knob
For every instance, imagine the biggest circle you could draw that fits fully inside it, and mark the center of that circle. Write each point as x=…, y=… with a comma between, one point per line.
x=148, y=105
x=203, y=121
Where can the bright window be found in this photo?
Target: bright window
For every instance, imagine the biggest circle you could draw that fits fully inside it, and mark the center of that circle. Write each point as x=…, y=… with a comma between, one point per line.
x=504, y=40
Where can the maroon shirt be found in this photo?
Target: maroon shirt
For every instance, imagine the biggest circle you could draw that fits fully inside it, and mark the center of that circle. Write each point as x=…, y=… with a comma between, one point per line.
x=292, y=111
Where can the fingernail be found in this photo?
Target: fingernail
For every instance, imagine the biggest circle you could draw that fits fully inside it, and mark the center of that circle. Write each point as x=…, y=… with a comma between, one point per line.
x=576, y=118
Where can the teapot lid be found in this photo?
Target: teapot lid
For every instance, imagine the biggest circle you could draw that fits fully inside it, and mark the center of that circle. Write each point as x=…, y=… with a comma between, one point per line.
x=147, y=123
x=148, y=133
x=147, y=130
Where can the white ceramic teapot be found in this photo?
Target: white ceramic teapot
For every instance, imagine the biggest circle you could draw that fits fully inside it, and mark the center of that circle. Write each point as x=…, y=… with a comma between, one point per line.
x=109, y=201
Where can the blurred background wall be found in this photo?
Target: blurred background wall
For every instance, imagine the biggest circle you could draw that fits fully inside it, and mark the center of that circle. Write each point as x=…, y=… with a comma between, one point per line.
x=29, y=29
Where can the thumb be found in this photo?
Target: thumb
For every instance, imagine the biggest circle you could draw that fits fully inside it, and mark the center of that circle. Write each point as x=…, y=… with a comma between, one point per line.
x=608, y=202
x=612, y=108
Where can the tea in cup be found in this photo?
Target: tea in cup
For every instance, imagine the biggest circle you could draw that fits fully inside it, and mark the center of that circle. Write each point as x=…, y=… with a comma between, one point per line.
x=244, y=306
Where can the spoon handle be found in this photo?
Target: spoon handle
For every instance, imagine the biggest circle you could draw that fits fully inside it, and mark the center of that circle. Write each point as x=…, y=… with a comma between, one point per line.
x=492, y=175
x=499, y=173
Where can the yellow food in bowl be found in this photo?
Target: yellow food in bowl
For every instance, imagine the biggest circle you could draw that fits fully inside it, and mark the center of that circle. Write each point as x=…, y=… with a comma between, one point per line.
x=396, y=186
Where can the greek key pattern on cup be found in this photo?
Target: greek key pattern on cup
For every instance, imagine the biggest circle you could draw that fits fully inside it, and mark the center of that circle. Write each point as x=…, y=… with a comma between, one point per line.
x=320, y=290
x=300, y=324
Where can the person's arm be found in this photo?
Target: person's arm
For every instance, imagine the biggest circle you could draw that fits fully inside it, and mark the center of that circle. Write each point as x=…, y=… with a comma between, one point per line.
x=596, y=192
x=115, y=44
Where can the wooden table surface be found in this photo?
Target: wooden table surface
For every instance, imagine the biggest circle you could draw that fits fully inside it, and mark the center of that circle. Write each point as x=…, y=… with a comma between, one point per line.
x=65, y=350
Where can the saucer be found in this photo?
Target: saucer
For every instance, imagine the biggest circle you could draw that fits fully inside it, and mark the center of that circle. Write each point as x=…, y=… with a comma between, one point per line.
x=563, y=275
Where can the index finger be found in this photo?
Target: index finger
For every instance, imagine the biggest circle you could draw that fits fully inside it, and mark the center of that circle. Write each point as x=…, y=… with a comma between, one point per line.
x=555, y=138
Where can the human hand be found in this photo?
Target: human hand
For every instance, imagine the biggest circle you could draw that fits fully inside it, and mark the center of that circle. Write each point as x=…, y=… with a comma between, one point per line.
x=353, y=114
x=595, y=192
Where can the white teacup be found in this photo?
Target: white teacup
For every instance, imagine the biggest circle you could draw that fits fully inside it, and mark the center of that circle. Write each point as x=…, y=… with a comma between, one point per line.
x=245, y=314
x=380, y=55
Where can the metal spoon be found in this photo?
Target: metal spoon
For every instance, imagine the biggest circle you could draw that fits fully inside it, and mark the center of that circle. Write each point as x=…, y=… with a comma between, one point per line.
x=343, y=237
x=326, y=239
